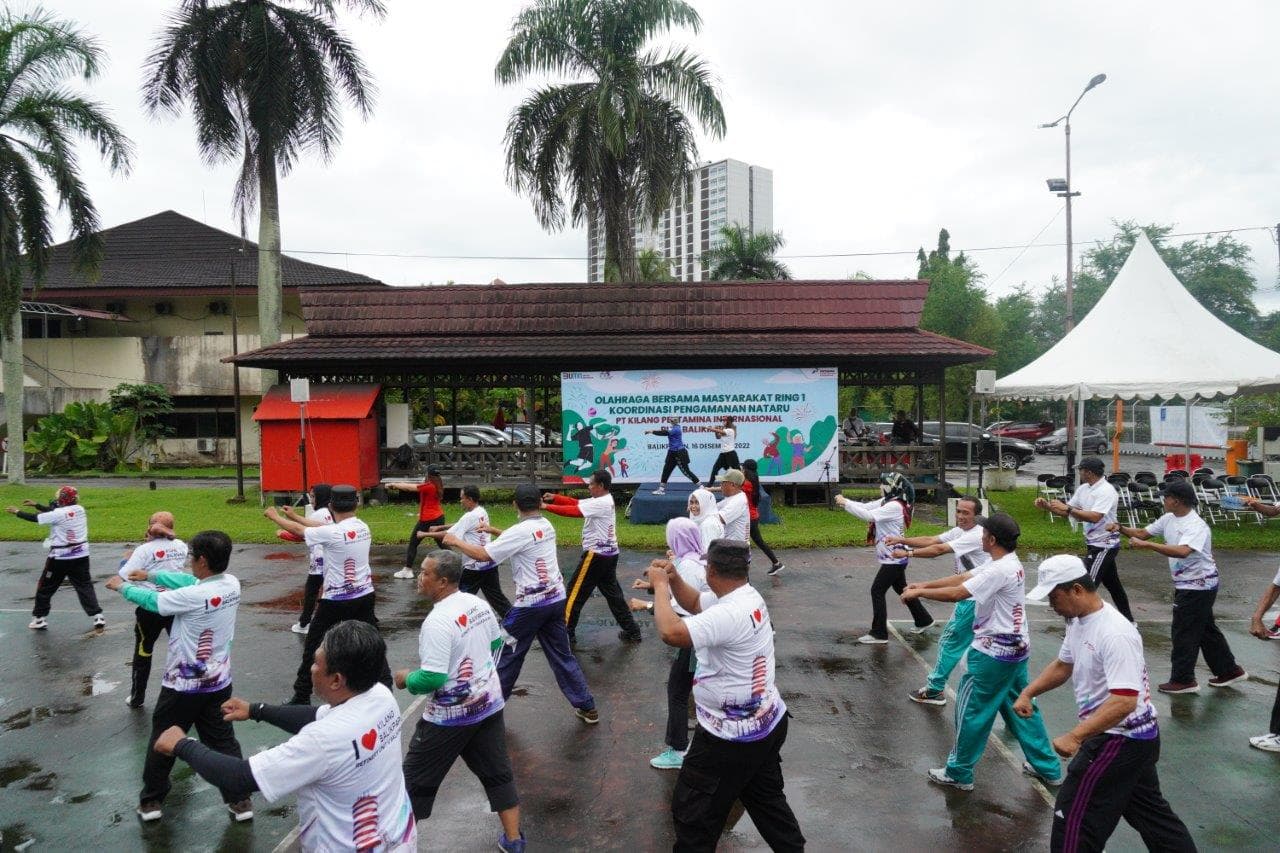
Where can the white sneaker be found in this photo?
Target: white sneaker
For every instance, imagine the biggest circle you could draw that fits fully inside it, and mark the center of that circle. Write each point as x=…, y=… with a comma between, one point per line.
x=1267, y=743
x=404, y=574
x=868, y=640
x=99, y=622
x=660, y=490
x=922, y=629
x=938, y=776
x=298, y=628
x=38, y=624
x=149, y=811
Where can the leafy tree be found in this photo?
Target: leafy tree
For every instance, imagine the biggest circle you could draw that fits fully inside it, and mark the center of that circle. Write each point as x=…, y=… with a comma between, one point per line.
x=39, y=122
x=84, y=436
x=264, y=81
x=651, y=265
x=148, y=402
x=616, y=140
x=743, y=256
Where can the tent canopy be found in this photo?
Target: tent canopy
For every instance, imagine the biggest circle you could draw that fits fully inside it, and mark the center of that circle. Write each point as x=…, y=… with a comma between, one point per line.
x=1147, y=337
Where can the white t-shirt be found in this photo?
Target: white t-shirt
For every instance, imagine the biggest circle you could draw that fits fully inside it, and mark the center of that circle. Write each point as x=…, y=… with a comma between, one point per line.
x=889, y=519
x=733, y=687
x=1105, y=652
x=692, y=571
x=155, y=555
x=345, y=546
x=735, y=515
x=599, y=525
x=346, y=769
x=999, y=614
x=457, y=639
x=727, y=440
x=68, y=532
x=1276, y=580
x=1197, y=570
x=468, y=530
x=315, y=565
x=204, y=624
x=710, y=529
x=531, y=545
x=1100, y=497
x=966, y=546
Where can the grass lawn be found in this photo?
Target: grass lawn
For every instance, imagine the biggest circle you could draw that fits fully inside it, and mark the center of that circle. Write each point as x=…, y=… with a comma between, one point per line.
x=204, y=472
x=120, y=515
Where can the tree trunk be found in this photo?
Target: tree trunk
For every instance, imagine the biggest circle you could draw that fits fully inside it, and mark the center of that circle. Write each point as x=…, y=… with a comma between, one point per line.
x=269, y=279
x=14, y=394
x=620, y=240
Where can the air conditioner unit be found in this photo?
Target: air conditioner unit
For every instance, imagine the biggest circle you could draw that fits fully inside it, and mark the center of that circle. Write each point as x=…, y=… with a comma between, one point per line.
x=206, y=445
x=164, y=308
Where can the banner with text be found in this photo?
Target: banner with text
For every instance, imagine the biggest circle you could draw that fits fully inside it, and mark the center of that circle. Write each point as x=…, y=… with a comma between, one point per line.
x=785, y=420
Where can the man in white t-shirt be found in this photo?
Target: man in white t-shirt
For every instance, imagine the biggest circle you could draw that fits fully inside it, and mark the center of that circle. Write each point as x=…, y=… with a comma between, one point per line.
x=321, y=494
x=742, y=720
x=1188, y=544
x=733, y=508
x=1114, y=747
x=348, y=580
x=538, y=612
x=1095, y=502
x=997, y=661
x=68, y=558
x=162, y=551
x=1269, y=742
x=728, y=458
x=457, y=649
x=887, y=518
x=598, y=566
x=473, y=527
x=197, y=673
x=343, y=760
x=964, y=543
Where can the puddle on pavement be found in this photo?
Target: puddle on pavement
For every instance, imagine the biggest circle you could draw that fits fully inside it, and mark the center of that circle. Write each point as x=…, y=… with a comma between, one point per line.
x=27, y=716
x=16, y=771
x=97, y=685
x=288, y=601
x=284, y=555
x=72, y=800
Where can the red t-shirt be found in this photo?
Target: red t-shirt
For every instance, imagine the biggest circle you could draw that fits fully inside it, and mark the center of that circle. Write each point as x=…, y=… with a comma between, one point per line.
x=751, y=500
x=429, y=508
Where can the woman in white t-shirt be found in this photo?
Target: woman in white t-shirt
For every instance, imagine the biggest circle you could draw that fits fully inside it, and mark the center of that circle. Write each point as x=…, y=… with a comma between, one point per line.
x=702, y=511
x=728, y=458
x=319, y=499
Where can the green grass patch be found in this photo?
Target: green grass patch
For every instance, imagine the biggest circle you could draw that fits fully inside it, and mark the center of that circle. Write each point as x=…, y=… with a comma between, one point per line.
x=119, y=514
x=204, y=472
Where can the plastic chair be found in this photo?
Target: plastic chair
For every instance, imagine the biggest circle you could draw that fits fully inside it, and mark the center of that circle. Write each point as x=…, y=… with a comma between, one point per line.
x=1146, y=478
x=1176, y=474
x=1203, y=470
x=1118, y=478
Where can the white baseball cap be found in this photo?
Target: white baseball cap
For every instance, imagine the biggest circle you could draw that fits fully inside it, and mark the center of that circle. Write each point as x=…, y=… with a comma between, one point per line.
x=1059, y=569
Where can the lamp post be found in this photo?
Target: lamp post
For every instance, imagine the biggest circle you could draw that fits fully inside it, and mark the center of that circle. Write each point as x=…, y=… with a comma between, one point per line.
x=1061, y=187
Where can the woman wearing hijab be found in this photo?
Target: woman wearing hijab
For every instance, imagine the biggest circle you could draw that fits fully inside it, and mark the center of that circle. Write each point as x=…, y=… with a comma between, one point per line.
x=684, y=544
x=751, y=486
x=702, y=510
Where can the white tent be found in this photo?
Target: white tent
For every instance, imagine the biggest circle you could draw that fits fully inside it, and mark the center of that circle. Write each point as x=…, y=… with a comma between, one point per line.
x=1147, y=337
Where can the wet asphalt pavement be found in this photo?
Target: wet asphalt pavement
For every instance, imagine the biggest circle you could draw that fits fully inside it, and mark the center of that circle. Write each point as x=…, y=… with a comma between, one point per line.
x=71, y=752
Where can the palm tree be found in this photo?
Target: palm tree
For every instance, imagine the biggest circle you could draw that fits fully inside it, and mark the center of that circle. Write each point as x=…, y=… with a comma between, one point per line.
x=616, y=140
x=651, y=265
x=263, y=80
x=39, y=119
x=743, y=256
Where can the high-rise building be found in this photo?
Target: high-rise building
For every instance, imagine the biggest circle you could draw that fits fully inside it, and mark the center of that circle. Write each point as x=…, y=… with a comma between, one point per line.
x=716, y=195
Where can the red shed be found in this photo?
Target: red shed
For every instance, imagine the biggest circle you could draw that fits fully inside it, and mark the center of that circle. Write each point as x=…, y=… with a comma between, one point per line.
x=342, y=437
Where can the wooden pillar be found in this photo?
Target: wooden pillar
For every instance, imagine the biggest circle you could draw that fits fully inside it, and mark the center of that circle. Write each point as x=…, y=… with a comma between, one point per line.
x=453, y=411
x=533, y=436
x=940, y=494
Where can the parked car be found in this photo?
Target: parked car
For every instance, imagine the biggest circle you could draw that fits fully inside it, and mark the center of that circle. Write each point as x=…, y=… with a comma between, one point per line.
x=1094, y=441
x=1025, y=430
x=995, y=425
x=1011, y=453
x=466, y=438
x=518, y=433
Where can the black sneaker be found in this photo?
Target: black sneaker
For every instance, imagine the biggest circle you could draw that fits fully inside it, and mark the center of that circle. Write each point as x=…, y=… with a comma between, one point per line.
x=629, y=638
x=777, y=567
x=925, y=696
x=590, y=717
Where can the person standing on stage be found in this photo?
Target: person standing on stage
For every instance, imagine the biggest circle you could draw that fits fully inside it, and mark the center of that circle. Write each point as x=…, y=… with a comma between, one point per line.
x=598, y=566
x=477, y=575
x=733, y=509
x=538, y=612
x=728, y=458
x=348, y=582
x=68, y=556
x=742, y=720
x=1114, y=747
x=702, y=511
x=677, y=454
x=197, y=675
x=319, y=500
x=964, y=543
x=997, y=661
x=1094, y=502
x=462, y=716
x=1188, y=544
x=888, y=517
x=343, y=760
x=430, y=514
x=752, y=489
x=161, y=551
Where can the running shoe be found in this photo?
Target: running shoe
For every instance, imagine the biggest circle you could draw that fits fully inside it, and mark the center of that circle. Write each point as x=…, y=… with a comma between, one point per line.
x=38, y=624
x=149, y=811
x=1179, y=687
x=1232, y=678
x=660, y=491
x=925, y=696
x=921, y=629
x=669, y=759
x=870, y=640
x=134, y=701
x=938, y=776
x=241, y=811
x=1028, y=770
x=777, y=567
x=1274, y=633
x=1267, y=743
x=298, y=628
x=589, y=716
x=404, y=574
x=630, y=638
x=511, y=845
x=99, y=623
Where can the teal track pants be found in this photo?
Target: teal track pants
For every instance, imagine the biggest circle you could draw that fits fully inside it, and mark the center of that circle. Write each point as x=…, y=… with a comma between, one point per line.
x=952, y=645
x=990, y=687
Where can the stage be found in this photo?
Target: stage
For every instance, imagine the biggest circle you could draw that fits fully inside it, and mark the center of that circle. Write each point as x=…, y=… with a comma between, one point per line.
x=648, y=508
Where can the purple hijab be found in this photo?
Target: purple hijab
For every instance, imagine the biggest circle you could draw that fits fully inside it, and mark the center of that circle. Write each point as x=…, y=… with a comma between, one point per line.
x=683, y=538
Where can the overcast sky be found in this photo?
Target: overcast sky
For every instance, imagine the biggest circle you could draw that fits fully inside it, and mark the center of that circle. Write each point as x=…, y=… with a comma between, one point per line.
x=882, y=123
